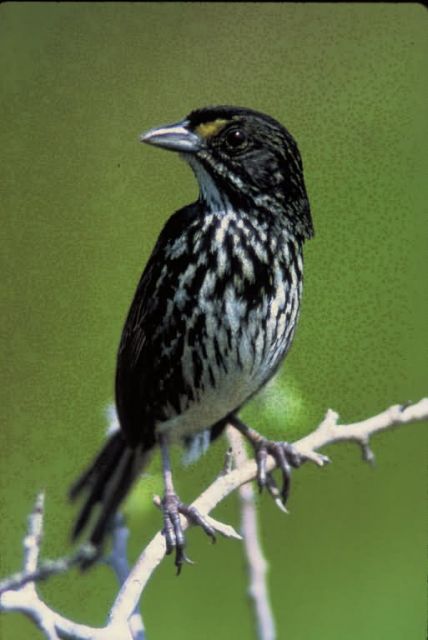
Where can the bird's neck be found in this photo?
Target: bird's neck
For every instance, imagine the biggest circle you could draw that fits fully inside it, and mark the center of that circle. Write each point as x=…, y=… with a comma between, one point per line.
x=265, y=212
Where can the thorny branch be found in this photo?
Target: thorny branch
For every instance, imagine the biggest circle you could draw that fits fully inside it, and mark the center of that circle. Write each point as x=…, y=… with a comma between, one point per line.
x=124, y=623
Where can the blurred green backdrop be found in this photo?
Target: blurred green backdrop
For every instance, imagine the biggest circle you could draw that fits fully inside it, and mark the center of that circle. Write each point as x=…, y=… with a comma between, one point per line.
x=81, y=206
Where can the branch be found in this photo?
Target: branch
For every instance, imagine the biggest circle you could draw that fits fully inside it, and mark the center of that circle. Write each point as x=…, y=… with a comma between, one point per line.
x=23, y=597
x=326, y=433
x=18, y=593
x=329, y=432
x=118, y=561
x=47, y=569
x=256, y=562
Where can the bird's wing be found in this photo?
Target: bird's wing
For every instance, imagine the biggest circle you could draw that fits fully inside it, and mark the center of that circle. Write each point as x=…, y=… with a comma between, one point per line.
x=148, y=377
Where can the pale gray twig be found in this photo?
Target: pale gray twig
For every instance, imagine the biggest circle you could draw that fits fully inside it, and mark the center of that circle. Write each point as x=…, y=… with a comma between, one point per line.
x=18, y=592
x=256, y=563
x=46, y=569
x=330, y=432
x=118, y=561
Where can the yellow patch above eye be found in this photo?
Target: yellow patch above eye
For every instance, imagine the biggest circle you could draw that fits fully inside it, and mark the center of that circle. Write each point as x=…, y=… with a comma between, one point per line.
x=209, y=129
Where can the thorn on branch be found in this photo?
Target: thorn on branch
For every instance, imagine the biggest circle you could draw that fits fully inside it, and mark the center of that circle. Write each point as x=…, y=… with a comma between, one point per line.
x=331, y=419
x=368, y=455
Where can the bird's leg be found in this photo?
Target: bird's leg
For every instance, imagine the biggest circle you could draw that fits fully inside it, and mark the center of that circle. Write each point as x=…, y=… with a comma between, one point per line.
x=285, y=455
x=172, y=507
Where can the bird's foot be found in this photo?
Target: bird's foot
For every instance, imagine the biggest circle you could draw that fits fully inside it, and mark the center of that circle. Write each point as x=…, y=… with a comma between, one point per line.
x=285, y=455
x=172, y=507
x=286, y=458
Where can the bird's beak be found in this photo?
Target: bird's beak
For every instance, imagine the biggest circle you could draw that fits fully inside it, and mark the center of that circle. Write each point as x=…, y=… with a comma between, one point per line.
x=177, y=137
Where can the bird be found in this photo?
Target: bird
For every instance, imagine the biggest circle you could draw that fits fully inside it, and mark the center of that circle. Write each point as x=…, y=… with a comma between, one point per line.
x=213, y=315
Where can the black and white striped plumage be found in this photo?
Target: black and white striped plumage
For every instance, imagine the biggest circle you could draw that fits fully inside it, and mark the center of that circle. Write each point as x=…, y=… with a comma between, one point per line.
x=216, y=307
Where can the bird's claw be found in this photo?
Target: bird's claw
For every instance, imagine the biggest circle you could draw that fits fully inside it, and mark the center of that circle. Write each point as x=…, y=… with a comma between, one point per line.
x=172, y=507
x=286, y=458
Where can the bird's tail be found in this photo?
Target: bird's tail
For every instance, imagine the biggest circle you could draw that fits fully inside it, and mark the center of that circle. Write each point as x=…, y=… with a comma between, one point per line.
x=106, y=482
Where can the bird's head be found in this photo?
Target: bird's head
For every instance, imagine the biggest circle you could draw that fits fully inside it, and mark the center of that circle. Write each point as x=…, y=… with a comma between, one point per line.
x=241, y=157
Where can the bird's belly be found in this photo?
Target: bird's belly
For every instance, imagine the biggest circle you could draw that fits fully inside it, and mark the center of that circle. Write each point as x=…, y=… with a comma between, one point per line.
x=213, y=404
x=238, y=353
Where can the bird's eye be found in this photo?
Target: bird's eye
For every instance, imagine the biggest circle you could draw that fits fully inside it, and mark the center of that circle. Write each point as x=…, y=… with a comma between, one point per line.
x=236, y=139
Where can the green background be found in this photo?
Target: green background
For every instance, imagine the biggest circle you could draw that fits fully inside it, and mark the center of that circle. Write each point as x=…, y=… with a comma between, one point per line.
x=81, y=206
